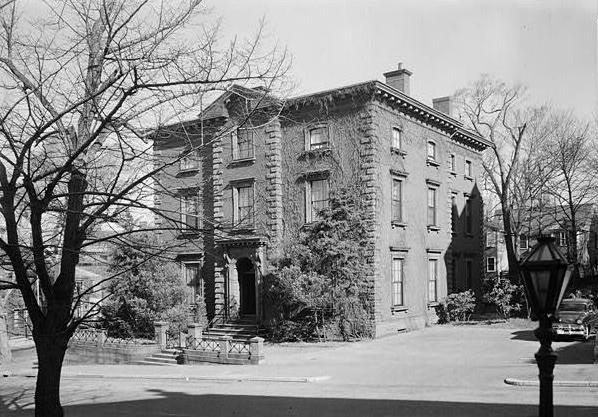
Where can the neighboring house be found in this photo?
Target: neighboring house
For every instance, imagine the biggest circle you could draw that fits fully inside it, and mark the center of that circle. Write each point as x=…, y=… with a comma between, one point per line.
x=553, y=221
x=256, y=170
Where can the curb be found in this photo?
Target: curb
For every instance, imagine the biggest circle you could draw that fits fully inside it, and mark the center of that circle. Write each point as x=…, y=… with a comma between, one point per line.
x=301, y=379
x=535, y=383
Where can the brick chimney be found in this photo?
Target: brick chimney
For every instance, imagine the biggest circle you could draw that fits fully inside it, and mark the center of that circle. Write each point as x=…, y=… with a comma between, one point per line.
x=399, y=79
x=444, y=105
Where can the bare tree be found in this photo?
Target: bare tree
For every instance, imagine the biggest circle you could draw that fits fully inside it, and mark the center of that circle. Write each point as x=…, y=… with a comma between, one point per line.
x=512, y=167
x=571, y=155
x=80, y=87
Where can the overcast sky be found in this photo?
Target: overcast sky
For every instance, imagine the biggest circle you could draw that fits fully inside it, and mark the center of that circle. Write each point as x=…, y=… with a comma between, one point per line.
x=549, y=45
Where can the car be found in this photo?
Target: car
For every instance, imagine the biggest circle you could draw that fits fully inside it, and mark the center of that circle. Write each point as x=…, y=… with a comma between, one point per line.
x=576, y=317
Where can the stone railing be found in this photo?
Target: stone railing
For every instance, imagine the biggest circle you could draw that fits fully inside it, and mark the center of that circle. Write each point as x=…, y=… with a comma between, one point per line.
x=194, y=347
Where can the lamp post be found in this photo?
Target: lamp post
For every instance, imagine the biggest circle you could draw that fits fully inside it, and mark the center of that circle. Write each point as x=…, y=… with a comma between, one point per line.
x=546, y=274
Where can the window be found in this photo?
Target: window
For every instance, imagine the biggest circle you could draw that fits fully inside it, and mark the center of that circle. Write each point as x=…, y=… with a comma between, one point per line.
x=190, y=211
x=397, y=281
x=490, y=239
x=243, y=205
x=397, y=200
x=453, y=163
x=242, y=141
x=192, y=275
x=468, y=216
x=469, y=273
x=562, y=238
x=189, y=161
x=431, y=150
x=317, y=198
x=432, y=218
x=432, y=280
x=523, y=241
x=491, y=264
x=318, y=138
x=468, y=169
x=454, y=213
x=397, y=138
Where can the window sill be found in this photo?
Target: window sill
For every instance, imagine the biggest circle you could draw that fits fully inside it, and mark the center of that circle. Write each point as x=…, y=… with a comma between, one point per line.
x=186, y=172
x=398, y=151
x=241, y=161
x=399, y=309
x=432, y=162
x=433, y=304
x=399, y=224
x=433, y=228
x=242, y=229
x=453, y=173
x=186, y=234
x=469, y=234
x=468, y=178
x=312, y=153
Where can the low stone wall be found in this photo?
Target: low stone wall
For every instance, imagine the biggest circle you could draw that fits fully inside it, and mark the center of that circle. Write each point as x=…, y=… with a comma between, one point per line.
x=92, y=346
x=80, y=353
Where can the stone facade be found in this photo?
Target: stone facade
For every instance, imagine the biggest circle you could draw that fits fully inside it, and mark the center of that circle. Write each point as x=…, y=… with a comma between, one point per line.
x=313, y=144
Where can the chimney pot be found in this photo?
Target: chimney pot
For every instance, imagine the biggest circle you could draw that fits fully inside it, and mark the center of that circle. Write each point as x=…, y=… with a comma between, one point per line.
x=444, y=105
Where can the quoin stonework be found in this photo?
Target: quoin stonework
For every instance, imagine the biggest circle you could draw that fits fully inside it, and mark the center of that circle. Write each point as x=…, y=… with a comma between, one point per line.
x=253, y=170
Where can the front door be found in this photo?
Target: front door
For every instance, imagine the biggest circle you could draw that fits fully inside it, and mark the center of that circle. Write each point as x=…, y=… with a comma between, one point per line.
x=246, y=275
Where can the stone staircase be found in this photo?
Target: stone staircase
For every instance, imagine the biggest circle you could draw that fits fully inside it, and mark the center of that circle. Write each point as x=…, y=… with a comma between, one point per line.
x=166, y=358
x=243, y=328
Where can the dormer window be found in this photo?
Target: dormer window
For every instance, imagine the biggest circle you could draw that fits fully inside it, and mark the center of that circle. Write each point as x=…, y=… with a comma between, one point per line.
x=317, y=138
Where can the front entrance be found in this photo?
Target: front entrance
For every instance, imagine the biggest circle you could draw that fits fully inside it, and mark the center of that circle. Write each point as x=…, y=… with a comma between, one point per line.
x=246, y=274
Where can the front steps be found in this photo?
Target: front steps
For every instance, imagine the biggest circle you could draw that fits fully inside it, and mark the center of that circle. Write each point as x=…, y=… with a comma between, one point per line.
x=164, y=358
x=243, y=328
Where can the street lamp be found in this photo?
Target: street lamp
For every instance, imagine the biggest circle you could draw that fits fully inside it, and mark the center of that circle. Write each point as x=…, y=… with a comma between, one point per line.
x=546, y=275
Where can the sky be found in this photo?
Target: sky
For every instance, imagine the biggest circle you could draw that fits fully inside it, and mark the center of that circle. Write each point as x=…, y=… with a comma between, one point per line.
x=548, y=45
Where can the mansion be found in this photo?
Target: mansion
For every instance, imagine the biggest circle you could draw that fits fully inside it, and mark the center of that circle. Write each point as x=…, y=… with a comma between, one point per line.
x=252, y=170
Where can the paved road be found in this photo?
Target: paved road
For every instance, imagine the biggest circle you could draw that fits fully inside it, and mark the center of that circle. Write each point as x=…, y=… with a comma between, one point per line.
x=441, y=371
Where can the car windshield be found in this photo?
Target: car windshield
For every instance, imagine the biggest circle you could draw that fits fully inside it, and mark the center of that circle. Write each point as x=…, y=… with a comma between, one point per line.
x=573, y=307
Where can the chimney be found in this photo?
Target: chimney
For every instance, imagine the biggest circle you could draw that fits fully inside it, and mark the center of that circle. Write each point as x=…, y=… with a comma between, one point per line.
x=444, y=105
x=399, y=79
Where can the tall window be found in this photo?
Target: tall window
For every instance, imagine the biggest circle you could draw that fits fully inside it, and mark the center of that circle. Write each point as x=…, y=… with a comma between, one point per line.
x=317, y=198
x=468, y=216
x=431, y=150
x=397, y=281
x=397, y=138
x=523, y=241
x=191, y=273
x=242, y=144
x=453, y=163
x=468, y=169
x=189, y=161
x=432, y=218
x=454, y=213
x=562, y=238
x=397, y=200
x=491, y=264
x=469, y=273
x=432, y=280
x=318, y=138
x=190, y=211
x=243, y=205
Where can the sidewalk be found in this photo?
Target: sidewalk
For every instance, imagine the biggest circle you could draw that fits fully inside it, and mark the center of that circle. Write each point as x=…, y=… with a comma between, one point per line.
x=439, y=356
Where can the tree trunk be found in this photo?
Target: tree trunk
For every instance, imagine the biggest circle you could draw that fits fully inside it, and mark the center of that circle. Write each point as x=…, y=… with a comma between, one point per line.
x=5, y=353
x=50, y=354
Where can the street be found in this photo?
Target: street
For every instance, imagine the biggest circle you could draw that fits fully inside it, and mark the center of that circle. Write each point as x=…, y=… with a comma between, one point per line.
x=443, y=370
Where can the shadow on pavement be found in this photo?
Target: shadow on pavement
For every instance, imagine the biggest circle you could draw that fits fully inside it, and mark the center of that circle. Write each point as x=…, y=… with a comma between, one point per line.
x=527, y=335
x=575, y=353
x=179, y=404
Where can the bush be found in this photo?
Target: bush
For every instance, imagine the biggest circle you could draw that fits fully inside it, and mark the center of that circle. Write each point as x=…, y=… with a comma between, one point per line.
x=506, y=296
x=458, y=306
x=147, y=290
x=319, y=283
